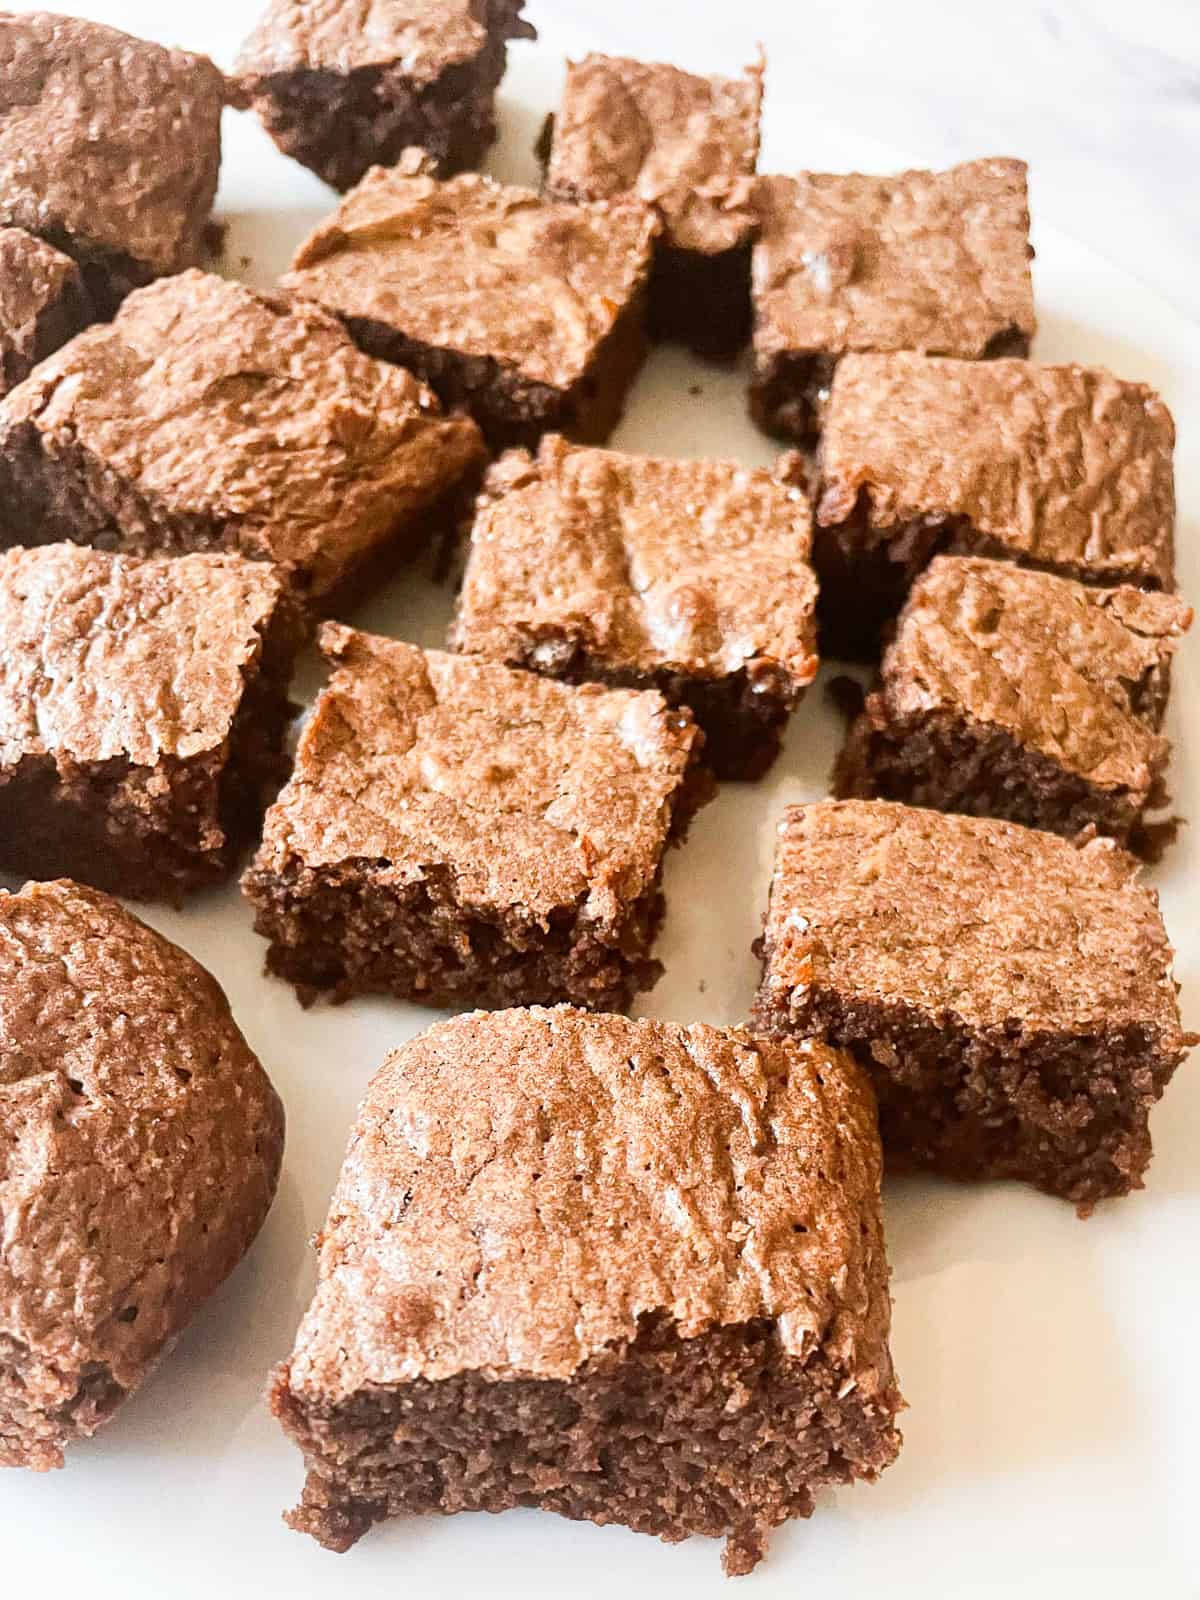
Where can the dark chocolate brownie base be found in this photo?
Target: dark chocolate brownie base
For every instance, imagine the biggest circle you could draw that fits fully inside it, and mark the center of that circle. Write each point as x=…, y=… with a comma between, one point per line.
x=721, y=1435
x=156, y=833
x=946, y=762
x=338, y=932
x=1067, y=1113
x=701, y=301
x=513, y=410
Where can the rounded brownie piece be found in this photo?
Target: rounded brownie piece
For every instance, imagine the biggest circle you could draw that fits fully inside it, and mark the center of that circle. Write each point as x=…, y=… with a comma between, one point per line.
x=627, y=1271
x=140, y=1150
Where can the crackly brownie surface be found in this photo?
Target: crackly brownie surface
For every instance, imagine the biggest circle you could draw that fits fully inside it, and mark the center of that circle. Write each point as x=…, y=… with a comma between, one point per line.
x=672, y=573
x=1074, y=674
x=110, y=146
x=508, y=821
x=1062, y=467
x=512, y=1197
x=141, y=1151
x=686, y=145
x=143, y=705
x=928, y=261
x=342, y=86
x=477, y=284
x=43, y=303
x=1010, y=991
x=208, y=417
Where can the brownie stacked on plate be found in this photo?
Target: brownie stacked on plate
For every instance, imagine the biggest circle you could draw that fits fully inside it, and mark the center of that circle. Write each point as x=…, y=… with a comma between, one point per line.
x=627, y=1271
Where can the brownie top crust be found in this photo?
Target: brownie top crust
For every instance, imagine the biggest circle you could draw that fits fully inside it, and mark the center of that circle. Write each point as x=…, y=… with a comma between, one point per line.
x=142, y=1140
x=686, y=145
x=34, y=277
x=534, y=794
x=1066, y=669
x=697, y=566
x=521, y=1187
x=109, y=656
x=107, y=143
x=1063, y=467
x=219, y=403
x=478, y=267
x=424, y=37
x=929, y=261
x=968, y=918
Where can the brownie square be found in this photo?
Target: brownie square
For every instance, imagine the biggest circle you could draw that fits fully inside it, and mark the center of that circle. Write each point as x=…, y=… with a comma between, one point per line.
x=1009, y=693
x=207, y=417
x=43, y=303
x=340, y=94
x=461, y=834
x=141, y=1150
x=934, y=262
x=525, y=312
x=1063, y=468
x=625, y=1271
x=688, y=146
x=143, y=706
x=690, y=577
x=1009, y=992
x=110, y=148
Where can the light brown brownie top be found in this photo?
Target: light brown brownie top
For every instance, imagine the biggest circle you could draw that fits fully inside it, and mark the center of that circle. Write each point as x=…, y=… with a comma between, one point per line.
x=479, y=268
x=35, y=280
x=107, y=143
x=966, y=918
x=108, y=656
x=535, y=795
x=1062, y=667
x=686, y=145
x=142, y=1140
x=929, y=261
x=216, y=402
x=649, y=564
x=522, y=1186
x=423, y=37
x=1063, y=467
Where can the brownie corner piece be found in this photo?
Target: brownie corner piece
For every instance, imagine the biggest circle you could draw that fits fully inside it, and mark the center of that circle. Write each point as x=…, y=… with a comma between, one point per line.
x=689, y=577
x=43, y=303
x=110, y=148
x=1009, y=991
x=1017, y=694
x=931, y=262
x=141, y=1152
x=143, y=709
x=688, y=146
x=548, y=1328
x=923, y=455
x=340, y=97
x=456, y=833
x=526, y=312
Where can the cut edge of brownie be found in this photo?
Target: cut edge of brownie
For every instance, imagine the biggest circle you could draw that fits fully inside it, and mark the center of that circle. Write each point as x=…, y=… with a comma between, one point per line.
x=335, y=931
x=701, y=301
x=40, y=1437
x=158, y=832
x=71, y=310
x=1065, y=1112
x=723, y=1434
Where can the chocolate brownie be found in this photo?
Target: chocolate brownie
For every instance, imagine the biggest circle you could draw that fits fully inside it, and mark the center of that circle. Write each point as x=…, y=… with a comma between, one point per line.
x=143, y=706
x=690, y=577
x=342, y=87
x=625, y=1271
x=1009, y=991
x=1064, y=468
x=1009, y=693
x=141, y=1150
x=459, y=833
x=209, y=418
x=109, y=148
x=687, y=146
x=935, y=262
x=527, y=313
x=43, y=303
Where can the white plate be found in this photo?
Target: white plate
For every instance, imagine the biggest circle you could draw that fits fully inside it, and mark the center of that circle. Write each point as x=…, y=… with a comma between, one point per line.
x=1048, y=1362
